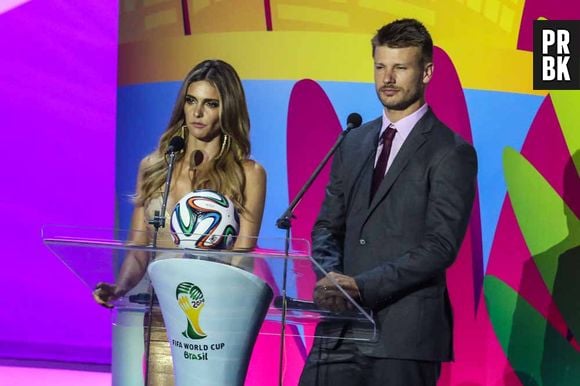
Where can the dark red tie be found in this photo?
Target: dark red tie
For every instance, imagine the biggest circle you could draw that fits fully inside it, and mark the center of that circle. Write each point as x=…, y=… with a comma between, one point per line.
x=381, y=166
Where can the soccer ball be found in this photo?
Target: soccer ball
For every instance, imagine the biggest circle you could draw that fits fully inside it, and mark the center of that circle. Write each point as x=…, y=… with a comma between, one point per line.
x=205, y=219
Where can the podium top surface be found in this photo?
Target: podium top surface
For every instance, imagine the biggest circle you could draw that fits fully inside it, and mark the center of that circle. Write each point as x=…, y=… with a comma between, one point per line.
x=96, y=255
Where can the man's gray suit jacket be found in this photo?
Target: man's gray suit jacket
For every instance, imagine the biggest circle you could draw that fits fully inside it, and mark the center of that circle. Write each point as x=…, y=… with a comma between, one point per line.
x=398, y=245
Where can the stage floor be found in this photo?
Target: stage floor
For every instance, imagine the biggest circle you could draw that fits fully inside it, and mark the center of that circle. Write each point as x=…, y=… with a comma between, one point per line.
x=29, y=376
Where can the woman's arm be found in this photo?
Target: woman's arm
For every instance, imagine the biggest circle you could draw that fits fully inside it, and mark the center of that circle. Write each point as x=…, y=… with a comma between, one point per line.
x=251, y=218
x=135, y=262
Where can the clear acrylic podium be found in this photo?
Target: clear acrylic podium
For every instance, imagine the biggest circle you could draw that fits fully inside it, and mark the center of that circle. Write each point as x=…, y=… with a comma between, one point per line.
x=210, y=299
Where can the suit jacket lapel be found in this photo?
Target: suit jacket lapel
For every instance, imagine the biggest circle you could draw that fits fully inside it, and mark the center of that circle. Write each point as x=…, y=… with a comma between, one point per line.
x=413, y=142
x=362, y=162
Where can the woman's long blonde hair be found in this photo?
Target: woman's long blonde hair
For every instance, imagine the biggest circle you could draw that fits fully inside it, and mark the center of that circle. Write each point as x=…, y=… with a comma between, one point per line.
x=224, y=173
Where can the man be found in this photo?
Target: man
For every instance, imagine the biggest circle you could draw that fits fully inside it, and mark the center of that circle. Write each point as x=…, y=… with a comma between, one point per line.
x=394, y=216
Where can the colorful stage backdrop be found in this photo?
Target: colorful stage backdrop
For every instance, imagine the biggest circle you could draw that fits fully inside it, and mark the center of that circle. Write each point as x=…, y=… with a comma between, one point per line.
x=305, y=66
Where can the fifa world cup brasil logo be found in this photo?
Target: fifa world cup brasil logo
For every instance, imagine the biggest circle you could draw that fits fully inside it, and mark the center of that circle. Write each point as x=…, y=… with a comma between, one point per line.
x=190, y=299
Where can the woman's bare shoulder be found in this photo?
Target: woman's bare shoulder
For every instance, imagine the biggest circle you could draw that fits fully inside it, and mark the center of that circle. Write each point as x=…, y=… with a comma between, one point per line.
x=149, y=159
x=253, y=170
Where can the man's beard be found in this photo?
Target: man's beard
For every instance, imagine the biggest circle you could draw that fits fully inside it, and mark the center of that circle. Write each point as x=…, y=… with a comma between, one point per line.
x=402, y=104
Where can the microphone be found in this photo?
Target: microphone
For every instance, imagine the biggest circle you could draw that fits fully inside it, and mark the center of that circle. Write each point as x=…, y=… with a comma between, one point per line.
x=197, y=158
x=285, y=222
x=353, y=121
x=175, y=145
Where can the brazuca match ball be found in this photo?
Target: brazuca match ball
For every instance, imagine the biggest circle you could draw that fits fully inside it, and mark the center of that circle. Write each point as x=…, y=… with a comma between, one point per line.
x=205, y=219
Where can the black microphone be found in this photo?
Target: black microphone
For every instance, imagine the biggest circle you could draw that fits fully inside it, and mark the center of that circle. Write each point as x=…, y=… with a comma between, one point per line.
x=353, y=121
x=197, y=158
x=176, y=144
x=285, y=222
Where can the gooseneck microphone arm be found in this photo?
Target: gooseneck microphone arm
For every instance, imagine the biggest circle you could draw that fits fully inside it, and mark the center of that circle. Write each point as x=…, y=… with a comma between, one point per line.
x=175, y=145
x=353, y=121
x=284, y=221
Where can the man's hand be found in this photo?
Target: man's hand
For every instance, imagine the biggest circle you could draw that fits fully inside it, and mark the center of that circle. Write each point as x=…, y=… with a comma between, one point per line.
x=105, y=293
x=327, y=295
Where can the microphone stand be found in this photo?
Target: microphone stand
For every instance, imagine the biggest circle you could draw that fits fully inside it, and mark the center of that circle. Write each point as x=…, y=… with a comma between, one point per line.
x=285, y=222
x=158, y=221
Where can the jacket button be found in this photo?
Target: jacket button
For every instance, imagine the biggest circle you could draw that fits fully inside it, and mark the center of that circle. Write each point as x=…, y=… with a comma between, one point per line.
x=362, y=241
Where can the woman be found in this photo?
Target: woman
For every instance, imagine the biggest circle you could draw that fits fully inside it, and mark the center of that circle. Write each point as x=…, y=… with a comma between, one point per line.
x=211, y=115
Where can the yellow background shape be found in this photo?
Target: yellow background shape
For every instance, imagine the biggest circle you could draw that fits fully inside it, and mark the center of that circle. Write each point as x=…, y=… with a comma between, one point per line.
x=323, y=40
